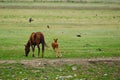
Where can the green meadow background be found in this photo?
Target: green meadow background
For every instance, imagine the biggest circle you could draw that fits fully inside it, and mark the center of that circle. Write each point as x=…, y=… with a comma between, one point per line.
x=98, y=25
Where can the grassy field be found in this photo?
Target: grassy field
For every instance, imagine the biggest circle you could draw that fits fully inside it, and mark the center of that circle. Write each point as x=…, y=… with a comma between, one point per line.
x=99, y=29
x=61, y=5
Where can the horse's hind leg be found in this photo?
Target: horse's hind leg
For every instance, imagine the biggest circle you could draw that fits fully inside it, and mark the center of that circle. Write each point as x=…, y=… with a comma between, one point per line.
x=33, y=48
x=38, y=50
x=42, y=50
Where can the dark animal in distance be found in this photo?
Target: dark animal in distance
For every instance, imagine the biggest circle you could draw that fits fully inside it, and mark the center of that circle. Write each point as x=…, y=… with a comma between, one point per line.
x=30, y=20
x=78, y=35
x=55, y=47
x=35, y=40
x=48, y=26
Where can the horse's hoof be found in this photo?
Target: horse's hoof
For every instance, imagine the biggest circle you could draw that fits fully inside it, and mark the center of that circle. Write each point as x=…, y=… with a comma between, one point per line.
x=33, y=56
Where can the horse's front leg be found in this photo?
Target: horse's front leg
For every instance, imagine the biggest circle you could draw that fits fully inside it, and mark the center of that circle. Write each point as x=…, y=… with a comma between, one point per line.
x=38, y=50
x=33, y=48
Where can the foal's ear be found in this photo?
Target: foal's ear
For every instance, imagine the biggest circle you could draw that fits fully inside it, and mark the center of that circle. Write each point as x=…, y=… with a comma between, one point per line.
x=56, y=39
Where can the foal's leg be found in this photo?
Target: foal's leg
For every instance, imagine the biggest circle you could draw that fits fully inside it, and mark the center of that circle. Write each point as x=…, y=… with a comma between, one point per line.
x=33, y=48
x=59, y=54
x=56, y=52
x=38, y=50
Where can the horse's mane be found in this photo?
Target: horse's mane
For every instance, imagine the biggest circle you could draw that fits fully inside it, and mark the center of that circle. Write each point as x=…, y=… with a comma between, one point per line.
x=28, y=43
x=32, y=37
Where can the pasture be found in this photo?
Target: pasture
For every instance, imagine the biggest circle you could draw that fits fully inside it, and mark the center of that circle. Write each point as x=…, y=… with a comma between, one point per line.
x=99, y=27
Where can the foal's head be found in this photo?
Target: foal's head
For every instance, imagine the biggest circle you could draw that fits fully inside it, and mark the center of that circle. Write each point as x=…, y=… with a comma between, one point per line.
x=27, y=49
x=55, y=40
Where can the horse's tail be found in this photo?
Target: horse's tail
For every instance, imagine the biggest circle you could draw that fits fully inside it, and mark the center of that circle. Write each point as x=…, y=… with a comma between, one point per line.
x=43, y=46
x=45, y=43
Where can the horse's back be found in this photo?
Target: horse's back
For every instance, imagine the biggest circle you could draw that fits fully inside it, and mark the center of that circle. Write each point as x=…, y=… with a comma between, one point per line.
x=39, y=37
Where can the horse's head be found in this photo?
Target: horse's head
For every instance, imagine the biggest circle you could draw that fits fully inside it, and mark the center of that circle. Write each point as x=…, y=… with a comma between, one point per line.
x=27, y=50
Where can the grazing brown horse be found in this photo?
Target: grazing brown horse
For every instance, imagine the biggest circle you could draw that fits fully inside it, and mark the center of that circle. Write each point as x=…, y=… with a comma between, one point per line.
x=55, y=47
x=35, y=40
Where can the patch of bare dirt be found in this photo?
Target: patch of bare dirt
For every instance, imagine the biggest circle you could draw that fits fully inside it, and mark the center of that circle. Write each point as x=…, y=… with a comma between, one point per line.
x=60, y=61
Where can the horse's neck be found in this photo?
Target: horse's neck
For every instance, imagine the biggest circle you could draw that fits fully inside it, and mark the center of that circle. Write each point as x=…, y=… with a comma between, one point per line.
x=28, y=43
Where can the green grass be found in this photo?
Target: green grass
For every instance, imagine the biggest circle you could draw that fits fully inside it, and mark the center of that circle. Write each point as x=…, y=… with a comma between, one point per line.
x=98, y=28
x=107, y=5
